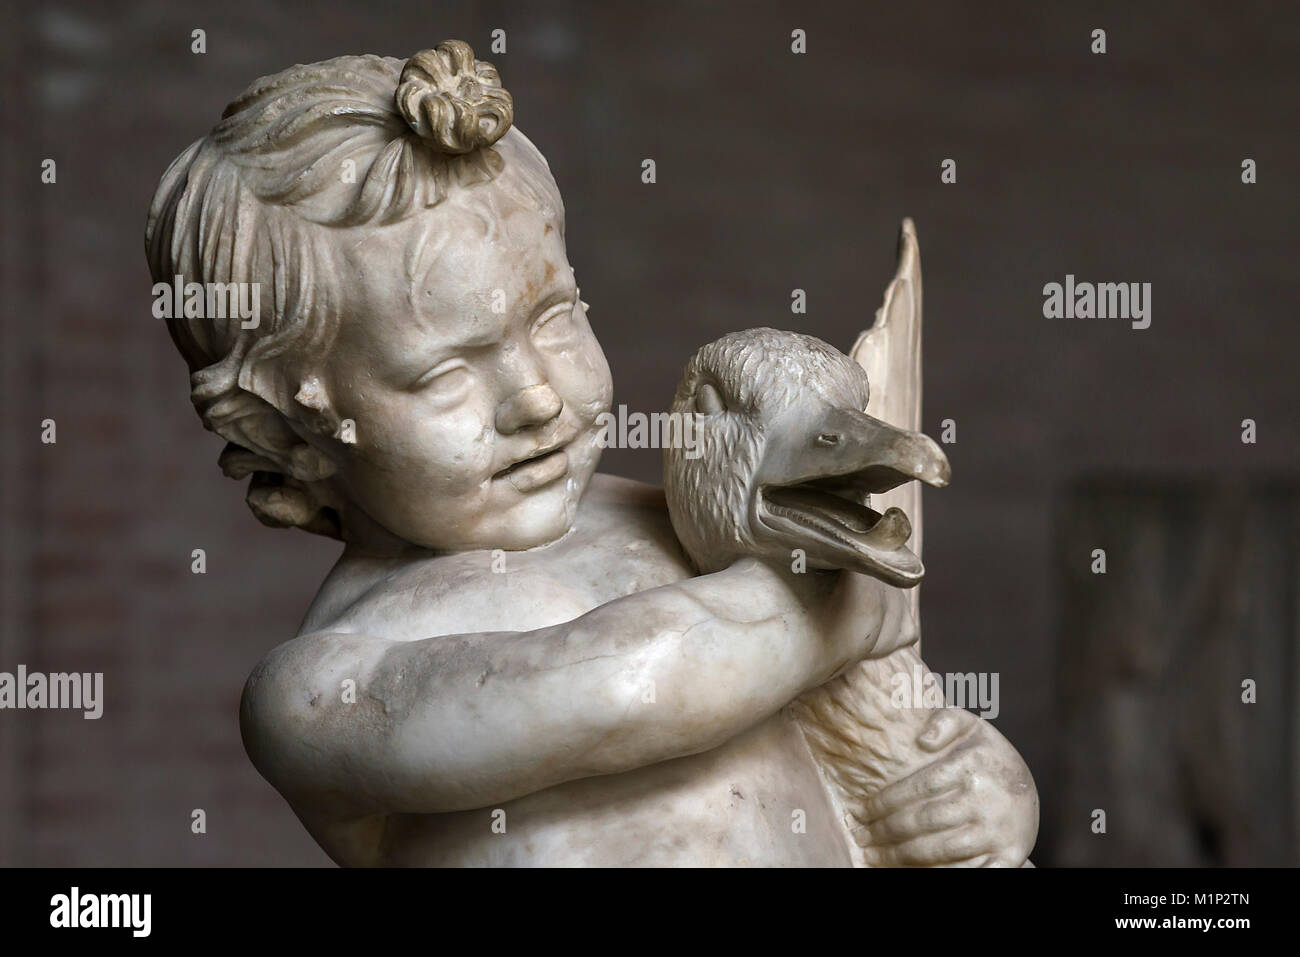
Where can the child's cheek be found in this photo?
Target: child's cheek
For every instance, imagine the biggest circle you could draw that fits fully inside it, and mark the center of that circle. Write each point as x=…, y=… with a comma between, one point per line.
x=452, y=448
x=591, y=383
x=426, y=446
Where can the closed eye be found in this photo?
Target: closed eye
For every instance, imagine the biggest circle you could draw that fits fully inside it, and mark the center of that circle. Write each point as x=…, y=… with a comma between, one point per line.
x=446, y=378
x=555, y=325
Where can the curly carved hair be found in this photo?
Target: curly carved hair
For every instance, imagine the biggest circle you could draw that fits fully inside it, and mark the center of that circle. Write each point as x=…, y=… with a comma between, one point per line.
x=352, y=141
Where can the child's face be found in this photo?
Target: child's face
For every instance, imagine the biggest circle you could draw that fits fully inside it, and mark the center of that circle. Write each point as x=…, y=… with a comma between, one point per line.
x=464, y=352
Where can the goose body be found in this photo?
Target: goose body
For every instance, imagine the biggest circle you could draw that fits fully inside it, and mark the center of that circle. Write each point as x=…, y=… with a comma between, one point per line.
x=783, y=468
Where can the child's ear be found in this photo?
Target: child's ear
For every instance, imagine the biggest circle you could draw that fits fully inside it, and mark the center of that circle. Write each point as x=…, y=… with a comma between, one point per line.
x=306, y=413
x=313, y=409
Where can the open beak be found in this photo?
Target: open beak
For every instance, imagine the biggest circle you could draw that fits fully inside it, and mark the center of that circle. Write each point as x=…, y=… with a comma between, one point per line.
x=814, y=486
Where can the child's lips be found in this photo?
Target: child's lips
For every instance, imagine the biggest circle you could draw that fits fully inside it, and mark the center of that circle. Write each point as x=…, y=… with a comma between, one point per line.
x=541, y=469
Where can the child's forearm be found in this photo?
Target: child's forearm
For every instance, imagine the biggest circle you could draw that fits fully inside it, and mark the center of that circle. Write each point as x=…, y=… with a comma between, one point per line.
x=467, y=721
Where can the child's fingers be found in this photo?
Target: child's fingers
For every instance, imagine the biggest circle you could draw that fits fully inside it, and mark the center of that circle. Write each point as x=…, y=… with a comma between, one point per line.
x=929, y=782
x=942, y=729
x=916, y=820
x=953, y=847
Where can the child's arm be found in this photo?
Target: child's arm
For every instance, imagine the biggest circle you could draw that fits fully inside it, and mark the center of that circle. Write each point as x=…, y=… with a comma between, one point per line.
x=468, y=721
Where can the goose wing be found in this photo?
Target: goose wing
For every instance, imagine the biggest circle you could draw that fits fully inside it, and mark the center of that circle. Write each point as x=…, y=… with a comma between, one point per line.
x=890, y=351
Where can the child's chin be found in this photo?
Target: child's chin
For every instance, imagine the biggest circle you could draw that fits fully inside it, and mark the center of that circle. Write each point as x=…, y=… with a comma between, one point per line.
x=538, y=519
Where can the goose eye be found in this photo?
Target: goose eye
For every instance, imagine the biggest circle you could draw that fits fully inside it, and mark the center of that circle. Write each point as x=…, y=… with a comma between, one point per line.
x=707, y=400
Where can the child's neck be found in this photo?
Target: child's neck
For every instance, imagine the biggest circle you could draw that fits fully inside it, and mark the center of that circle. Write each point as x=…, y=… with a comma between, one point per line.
x=366, y=539
x=363, y=537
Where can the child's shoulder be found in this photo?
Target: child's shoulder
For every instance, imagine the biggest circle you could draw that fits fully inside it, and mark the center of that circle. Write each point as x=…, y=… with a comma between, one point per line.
x=622, y=513
x=621, y=542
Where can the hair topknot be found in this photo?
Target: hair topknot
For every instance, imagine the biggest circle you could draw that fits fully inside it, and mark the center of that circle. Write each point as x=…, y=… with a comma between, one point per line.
x=453, y=102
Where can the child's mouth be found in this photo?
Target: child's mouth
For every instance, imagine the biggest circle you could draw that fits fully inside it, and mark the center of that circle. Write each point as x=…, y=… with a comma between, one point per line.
x=541, y=469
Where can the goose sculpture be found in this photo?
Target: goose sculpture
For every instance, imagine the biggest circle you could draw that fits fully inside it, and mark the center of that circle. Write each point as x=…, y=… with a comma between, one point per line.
x=787, y=458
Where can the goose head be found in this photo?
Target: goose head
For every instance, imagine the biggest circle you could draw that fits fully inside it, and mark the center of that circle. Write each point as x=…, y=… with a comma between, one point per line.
x=784, y=458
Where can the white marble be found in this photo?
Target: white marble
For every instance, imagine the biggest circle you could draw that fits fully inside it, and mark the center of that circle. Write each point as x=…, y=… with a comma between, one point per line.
x=517, y=660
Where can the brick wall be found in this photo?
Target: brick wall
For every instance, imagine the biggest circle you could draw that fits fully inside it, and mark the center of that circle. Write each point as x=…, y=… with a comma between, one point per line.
x=793, y=172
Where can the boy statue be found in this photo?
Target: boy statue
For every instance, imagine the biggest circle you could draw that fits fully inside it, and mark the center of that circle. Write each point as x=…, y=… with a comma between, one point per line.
x=513, y=662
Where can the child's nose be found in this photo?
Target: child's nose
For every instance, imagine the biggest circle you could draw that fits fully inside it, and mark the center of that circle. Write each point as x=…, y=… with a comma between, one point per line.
x=531, y=406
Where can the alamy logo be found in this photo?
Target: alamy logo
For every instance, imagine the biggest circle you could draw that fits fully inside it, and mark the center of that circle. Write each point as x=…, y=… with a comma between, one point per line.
x=929, y=689
x=208, y=300
x=1103, y=300
x=76, y=909
x=36, y=690
x=658, y=430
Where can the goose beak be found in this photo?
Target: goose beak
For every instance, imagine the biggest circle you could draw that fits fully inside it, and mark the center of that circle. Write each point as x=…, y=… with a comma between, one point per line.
x=815, y=481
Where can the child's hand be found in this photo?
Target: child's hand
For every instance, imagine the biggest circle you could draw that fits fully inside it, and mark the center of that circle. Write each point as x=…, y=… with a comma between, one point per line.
x=974, y=806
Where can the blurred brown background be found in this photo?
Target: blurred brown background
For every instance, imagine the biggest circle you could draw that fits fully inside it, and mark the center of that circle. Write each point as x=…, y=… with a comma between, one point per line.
x=775, y=172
